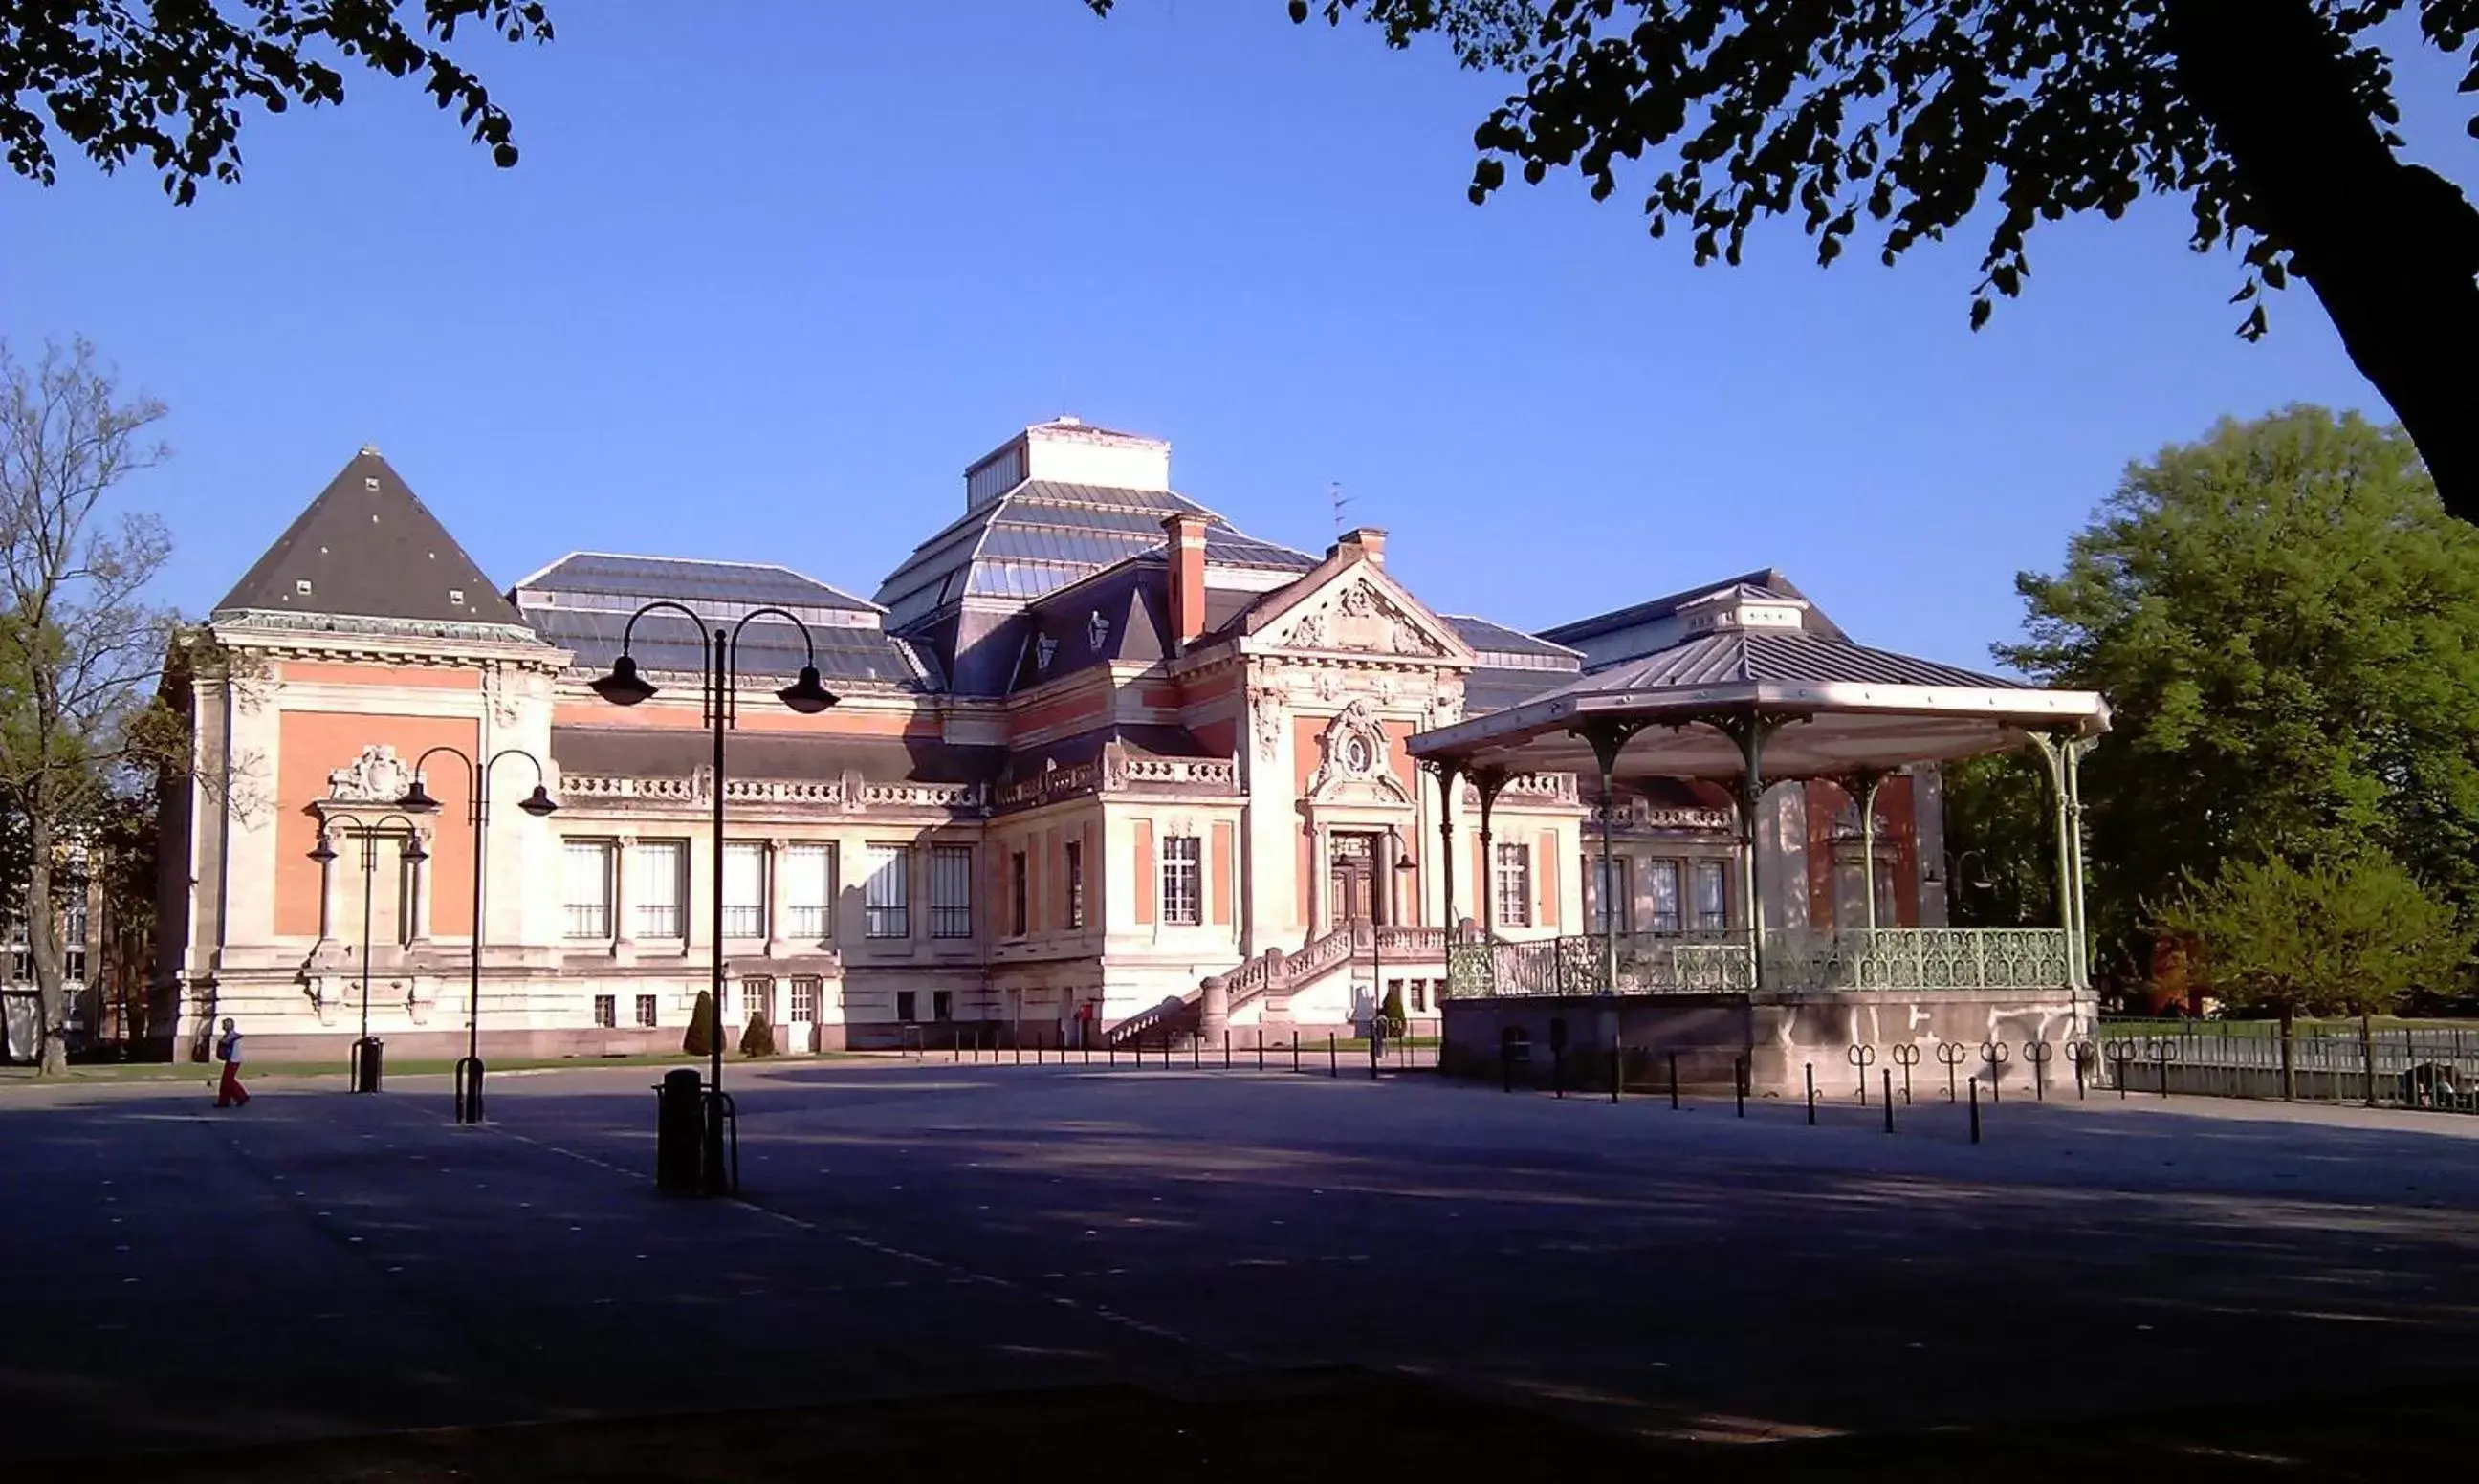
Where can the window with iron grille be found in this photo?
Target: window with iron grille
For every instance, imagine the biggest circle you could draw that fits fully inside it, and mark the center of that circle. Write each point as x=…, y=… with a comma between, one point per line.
x=1661, y=880
x=607, y=1010
x=1017, y=894
x=908, y=1005
x=646, y=1011
x=588, y=888
x=744, y=890
x=951, y=892
x=1183, y=886
x=942, y=1004
x=1075, y=894
x=658, y=872
x=1512, y=882
x=808, y=890
x=757, y=998
x=1712, y=896
x=886, y=890
x=804, y=1000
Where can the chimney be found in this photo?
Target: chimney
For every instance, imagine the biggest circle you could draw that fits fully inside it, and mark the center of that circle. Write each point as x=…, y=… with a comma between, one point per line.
x=1186, y=554
x=1368, y=541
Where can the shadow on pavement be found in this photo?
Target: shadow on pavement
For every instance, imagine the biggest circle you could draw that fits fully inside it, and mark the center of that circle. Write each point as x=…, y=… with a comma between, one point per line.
x=1325, y=1424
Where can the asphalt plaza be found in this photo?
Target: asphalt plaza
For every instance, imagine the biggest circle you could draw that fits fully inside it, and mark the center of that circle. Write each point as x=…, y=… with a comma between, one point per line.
x=320, y=1266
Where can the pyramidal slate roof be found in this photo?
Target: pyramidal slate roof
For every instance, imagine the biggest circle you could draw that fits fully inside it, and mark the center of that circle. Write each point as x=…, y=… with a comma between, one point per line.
x=368, y=547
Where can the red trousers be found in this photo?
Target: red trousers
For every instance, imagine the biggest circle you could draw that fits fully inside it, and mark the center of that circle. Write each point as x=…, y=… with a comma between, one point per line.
x=231, y=1092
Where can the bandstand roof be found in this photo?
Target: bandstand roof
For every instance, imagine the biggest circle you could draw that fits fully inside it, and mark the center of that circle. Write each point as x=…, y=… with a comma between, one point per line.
x=1846, y=707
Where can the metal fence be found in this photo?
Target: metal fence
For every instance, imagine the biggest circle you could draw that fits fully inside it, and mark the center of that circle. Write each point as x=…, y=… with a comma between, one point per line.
x=2408, y=1066
x=1241, y=1048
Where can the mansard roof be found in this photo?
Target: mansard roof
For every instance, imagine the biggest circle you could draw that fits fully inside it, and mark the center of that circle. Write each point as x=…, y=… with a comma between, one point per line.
x=368, y=547
x=648, y=751
x=610, y=578
x=1761, y=583
x=1042, y=535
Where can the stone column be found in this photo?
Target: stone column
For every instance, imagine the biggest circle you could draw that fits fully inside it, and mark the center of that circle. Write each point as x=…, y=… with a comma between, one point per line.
x=417, y=926
x=1320, y=888
x=777, y=938
x=624, y=937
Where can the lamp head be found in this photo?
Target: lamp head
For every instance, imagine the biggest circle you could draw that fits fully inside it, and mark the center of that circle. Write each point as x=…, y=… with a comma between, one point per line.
x=413, y=851
x=416, y=798
x=540, y=802
x=623, y=686
x=324, y=852
x=805, y=695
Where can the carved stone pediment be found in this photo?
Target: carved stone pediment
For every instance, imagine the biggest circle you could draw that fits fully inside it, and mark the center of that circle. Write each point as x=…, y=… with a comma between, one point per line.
x=1362, y=618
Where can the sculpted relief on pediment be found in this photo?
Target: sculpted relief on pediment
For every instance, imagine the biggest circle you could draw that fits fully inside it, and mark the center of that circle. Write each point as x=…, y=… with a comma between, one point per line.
x=1362, y=618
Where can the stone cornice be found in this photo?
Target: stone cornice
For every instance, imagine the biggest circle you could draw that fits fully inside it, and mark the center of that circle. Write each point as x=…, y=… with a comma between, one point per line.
x=391, y=641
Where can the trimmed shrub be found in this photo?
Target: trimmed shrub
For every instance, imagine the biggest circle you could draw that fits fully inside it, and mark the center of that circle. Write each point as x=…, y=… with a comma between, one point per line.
x=1392, y=1011
x=759, y=1041
x=698, y=1040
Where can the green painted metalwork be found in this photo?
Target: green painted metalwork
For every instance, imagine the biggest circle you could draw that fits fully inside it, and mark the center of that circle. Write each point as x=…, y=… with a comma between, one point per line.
x=1798, y=961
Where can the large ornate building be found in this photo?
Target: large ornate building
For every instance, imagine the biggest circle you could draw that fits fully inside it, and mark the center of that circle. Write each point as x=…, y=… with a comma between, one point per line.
x=1094, y=748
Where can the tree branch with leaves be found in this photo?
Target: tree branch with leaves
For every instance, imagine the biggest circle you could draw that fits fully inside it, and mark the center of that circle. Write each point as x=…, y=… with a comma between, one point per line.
x=80, y=643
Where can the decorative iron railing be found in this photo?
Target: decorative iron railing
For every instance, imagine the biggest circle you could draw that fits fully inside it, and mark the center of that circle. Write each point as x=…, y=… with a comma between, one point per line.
x=1796, y=961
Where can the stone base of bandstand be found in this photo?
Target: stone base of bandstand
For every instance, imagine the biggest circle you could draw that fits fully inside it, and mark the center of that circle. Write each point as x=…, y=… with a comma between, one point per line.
x=1780, y=1038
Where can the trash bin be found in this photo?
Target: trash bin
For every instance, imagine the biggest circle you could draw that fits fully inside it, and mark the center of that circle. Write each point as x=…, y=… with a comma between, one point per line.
x=680, y=1130
x=369, y=1059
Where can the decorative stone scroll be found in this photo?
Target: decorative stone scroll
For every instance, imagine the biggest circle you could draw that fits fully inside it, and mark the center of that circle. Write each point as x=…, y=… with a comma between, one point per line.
x=376, y=777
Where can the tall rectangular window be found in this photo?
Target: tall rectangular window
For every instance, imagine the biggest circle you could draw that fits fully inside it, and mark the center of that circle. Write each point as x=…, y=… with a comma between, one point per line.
x=1017, y=894
x=808, y=891
x=907, y=1005
x=1712, y=896
x=587, y=888
x=804, y=1000
x=607, y=1010
x=1609, y=878
x=1182, y=880
x=1661, y=879
x=887, y=891
x=951, y=892
x=1511, y=878
x=646, y=1011
x=744, y=890
x=1074, y=896
x=74, y=966
x=757, y=998
x=657, y=874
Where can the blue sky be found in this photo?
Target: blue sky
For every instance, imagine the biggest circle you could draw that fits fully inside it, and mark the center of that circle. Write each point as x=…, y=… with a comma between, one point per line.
x=771, y=274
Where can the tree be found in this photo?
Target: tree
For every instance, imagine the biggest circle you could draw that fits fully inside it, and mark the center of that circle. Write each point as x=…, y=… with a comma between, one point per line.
x=168, y=84
x=2283, y=618
x=2273, y=118
x=757, y=1038
x=1390, y=1012
x=697, y=1040
x=2335, y=937
x=78, y=641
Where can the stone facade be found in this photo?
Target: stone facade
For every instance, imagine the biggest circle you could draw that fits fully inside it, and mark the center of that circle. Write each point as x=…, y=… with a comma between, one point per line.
x=1092, y=748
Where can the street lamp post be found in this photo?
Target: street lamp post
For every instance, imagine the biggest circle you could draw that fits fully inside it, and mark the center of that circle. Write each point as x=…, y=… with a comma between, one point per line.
x=365, y=1070
x=1404, y=865
x=538, y=803
x=718, y=676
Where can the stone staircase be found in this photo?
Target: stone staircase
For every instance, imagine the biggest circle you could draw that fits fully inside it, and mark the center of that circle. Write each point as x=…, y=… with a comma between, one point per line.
x=1277, y=977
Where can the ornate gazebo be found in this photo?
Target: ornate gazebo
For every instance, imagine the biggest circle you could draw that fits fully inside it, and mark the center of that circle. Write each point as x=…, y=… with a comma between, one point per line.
x=1749, y=696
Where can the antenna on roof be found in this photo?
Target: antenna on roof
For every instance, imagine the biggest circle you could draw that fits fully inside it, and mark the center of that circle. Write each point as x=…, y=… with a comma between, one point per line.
x=1334, y=493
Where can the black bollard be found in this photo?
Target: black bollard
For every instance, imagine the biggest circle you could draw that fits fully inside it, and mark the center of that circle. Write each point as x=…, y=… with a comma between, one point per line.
x=1558, y=1071
x=1226, y=1048
x=1975, y=1110
x=1296, y=1051
x=1674, y=1082
x=1618, y=1069
x=1332, y=1055
x=1889, y=1101
x=1739, y=1083
x=1811, y=1094
x=1261, y=1048
x=1196, y=1052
